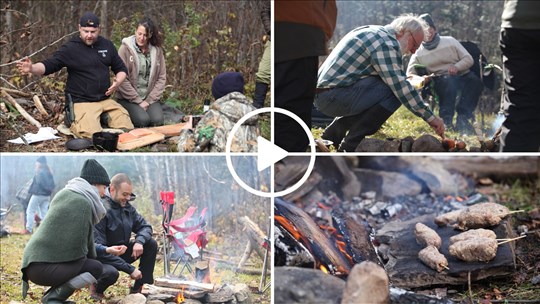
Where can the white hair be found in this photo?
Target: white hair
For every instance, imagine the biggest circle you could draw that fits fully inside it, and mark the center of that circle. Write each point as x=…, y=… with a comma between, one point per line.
x=410, y=22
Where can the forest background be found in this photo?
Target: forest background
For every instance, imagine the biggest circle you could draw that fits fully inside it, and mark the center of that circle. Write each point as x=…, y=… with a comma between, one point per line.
x=202, y=39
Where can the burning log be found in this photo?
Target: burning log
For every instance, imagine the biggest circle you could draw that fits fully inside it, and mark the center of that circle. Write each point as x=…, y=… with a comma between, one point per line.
x=180, y=284
x=255, y=238
x=356, y=237
x=189, y=294
x=288, y=251
x=299, y=224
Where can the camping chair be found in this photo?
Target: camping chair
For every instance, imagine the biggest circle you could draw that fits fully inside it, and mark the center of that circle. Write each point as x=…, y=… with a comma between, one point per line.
x=183, y=238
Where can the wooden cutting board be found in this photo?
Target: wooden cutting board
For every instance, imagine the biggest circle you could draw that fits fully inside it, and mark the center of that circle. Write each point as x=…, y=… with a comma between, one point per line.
x=171, y=130
x=140, y=141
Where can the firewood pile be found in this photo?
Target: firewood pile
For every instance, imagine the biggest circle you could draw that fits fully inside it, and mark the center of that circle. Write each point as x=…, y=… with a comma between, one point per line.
x=374, y=203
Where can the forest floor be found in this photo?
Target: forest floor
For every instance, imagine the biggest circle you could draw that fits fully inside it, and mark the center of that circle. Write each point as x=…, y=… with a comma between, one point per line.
x=11, y=252
x=7, y=132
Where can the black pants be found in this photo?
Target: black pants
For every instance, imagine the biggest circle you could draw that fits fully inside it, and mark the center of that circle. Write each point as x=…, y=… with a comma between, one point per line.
x=521, y=62
x=153, y=116
x=56, y=274
x=146, y=266
x=447, y=88
x=295, y=83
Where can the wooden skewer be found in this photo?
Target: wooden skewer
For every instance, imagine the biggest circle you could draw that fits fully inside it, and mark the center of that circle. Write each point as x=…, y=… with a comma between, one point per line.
x=445, y=267
x=516, y=211
x=510, y=240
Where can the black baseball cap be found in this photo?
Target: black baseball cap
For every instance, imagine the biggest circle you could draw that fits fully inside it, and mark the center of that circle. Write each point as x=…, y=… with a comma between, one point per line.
x=89, y=19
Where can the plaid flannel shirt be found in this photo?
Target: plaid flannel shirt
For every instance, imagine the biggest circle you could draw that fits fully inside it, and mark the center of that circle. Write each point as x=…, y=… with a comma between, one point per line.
x=372, y=51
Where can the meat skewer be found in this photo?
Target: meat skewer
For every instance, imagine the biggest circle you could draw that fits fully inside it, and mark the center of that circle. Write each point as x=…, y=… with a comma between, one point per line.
x=433, y=258
x=472, y=234
x=478, y=249
x=447, y=218
x=482, y=215
x=426, y=236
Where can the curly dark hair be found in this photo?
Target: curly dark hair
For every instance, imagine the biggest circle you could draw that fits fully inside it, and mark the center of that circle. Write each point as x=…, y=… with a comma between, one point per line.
x=155, y=37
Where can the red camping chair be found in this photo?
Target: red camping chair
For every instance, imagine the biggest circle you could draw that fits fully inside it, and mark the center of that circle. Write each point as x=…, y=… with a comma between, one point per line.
x=183, y=238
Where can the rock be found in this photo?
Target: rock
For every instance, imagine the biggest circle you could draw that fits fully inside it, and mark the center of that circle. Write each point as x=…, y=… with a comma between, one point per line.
x=427, y=143
x=163, y=297
x=406, y=144
x=370, y=145
x=302, y=285
x=222, y=295
x=391, y=184
x=135, y=298
x=391, y=146
x=242, y=294
x=155, y=302
x=367, y=283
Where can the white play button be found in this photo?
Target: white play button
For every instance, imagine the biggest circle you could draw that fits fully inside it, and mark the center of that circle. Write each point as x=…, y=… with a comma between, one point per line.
x=268, y=153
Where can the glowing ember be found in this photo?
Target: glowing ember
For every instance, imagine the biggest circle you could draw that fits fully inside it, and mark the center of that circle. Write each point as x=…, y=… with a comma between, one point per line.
x=290, y=228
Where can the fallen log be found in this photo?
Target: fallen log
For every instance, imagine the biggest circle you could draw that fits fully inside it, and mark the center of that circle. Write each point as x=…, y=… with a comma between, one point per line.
x=190, y=294
x=21, y=110
x=255, y=238
x=181, y=284
x=39, y=105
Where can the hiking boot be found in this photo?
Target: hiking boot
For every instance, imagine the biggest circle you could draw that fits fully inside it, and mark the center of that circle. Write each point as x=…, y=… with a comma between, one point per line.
x=464, y=126
x=134, y=289
x=366, y=123
x=25, y=231
x=94, y=294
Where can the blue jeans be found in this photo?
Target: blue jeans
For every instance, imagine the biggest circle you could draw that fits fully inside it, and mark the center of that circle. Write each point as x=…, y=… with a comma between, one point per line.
x=357, y=98
x=39, y=204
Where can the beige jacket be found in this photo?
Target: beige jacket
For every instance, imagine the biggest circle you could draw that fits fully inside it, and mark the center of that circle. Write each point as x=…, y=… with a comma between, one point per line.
x=158, y=73
x=448, y=52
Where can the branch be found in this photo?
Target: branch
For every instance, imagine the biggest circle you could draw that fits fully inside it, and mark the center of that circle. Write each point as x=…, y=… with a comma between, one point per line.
x=13, y=62
x=21, y=110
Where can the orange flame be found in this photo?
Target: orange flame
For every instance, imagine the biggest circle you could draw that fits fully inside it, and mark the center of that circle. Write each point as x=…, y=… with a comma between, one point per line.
x=290, y=228
x=323, y=269
x=180, y=297
x=323, y=206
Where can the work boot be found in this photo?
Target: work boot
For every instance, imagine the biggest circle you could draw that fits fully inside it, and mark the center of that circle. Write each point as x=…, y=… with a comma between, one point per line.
x=260, y=94
x=336, y=131
x=366, y=123
x=59, y=294
x=94, y=294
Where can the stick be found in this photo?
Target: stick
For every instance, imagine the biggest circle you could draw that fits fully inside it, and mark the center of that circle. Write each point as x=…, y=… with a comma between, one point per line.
x=510, y=240
x=54, y=42
x=445, y=267
x=16, y=92
x=39, y=105
x=516, y=211
x=469, y=284
x=20, y=109
x=3, y=107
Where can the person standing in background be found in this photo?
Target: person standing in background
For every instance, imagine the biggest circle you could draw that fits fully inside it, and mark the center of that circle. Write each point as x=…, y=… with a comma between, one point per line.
x=41, y=189
x=141, y=93
x=262, y=80
x=302, y=30
x=520, y=46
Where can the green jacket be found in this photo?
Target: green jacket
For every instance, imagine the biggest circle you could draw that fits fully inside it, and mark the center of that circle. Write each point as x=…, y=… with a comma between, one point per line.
x=66, y=234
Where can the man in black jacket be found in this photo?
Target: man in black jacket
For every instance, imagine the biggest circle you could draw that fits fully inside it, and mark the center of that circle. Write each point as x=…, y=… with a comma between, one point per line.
x=88, y=58
x=115, y=230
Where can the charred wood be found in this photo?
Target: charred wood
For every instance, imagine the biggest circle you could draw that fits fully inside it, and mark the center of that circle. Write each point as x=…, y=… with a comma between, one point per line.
x=288, y=251
x=307, y=232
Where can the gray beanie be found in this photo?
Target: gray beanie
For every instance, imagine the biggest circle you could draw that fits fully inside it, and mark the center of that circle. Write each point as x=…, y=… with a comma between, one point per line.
x=94, y=173
x=428, y=20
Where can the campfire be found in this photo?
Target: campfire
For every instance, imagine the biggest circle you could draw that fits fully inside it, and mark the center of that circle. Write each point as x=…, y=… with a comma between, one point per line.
x=318, y=230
